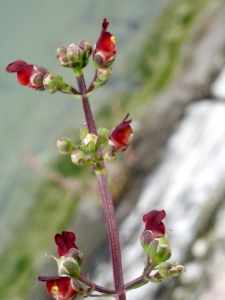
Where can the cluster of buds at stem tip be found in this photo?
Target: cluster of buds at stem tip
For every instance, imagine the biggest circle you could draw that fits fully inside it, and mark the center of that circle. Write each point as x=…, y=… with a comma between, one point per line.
x=87, y=152
x=76, y=56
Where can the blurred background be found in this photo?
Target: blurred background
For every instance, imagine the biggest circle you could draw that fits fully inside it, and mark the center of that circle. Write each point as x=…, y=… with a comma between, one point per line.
x=169, y=75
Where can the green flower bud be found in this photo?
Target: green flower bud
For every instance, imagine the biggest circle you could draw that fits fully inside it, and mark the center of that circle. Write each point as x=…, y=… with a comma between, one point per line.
x=55, y=83
x=80, y=158
x=103, y=135
x=74, y=54
x=61, y=51
x=65, y=145
x=78, y=54
x=168, y=270
x=68, y=266
x=159, y=250
x=87, y=49
x=90, y=143
x=102, y=76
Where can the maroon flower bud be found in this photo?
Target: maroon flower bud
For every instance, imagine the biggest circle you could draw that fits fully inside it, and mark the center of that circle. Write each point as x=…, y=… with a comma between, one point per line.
x=154, y=224
x=121, y=135
x=61, y=288
x=65, y=242
x=28, y=75
x=105, y=49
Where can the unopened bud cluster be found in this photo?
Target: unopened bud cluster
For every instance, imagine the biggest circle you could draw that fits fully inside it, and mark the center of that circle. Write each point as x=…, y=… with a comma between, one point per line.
x=118, y=139
x=75, y=56
x=87, y=152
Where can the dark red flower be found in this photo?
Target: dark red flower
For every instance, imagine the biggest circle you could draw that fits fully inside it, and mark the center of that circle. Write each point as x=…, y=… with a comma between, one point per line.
x=65, y=242
x=61, y=288
x=153, y=221
x=28, y=75
x=121, y=135
x=105, y=49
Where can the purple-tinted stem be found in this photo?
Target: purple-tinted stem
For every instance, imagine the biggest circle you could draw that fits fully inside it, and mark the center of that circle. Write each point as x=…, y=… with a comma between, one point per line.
x=107, y=204
x=97, y=288
x=86, y=106
x=113, y=235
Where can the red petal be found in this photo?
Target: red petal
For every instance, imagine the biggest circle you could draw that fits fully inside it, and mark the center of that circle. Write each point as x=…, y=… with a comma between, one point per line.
x=65, y=242
x=153, y=221
x=16, y=66
x=105, y=24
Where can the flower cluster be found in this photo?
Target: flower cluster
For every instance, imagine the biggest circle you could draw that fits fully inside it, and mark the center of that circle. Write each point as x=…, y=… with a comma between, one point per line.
x=87, y=153
x=76, y=56
x=155, y=244
x=64, y=287
x=96, y=146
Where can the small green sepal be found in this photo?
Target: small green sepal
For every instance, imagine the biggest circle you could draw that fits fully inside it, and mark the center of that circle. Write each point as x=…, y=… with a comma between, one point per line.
x=68, y=266
x=159, y=250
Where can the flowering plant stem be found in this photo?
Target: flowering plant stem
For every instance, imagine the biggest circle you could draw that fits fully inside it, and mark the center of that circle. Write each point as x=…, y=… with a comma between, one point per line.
x=107, y=202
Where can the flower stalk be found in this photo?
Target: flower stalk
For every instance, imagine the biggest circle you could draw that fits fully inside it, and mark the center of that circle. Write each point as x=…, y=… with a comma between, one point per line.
x=107, y=202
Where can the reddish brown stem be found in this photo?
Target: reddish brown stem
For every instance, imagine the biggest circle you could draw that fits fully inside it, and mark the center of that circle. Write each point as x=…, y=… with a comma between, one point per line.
x=96, y=287
x=107, y=204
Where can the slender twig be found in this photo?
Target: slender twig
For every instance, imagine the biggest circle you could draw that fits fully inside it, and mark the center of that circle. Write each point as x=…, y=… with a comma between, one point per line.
x=107, y=203
x=141, y=280
x=97, y=288
x=92, y=84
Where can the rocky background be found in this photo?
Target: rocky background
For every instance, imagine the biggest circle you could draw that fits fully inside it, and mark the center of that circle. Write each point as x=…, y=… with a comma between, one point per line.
x=176, y=162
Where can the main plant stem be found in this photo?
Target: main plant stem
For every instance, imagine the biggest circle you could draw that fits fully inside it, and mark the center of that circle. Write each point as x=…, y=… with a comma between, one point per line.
x=107, y=202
